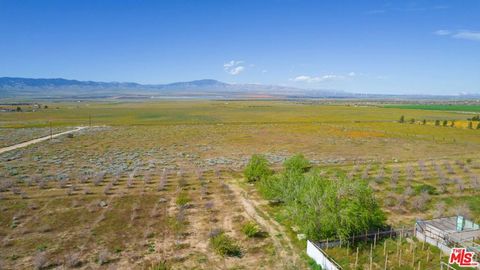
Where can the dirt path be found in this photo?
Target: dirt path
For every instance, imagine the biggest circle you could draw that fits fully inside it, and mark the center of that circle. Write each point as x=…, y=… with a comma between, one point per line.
x=27, y=143
x=285, y=249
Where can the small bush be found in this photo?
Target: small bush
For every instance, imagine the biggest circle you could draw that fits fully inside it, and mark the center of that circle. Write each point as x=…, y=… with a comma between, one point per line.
x=257, y=169
x=40, y=260
x=163, y=265
x=225, y=246
x=426, y=188
x=72, y=260
x=103, y=257
x=182, y=199
x=297, y=164
x=108, y=188
x=251, y=229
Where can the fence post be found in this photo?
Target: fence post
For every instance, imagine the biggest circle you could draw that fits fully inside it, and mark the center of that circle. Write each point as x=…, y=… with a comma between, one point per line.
x=384, y=247
x=400, y=258
x=413, y=260
x=356, y=259
x=371, y=256
x=386, y=262
x=401, y=233
x=398, y=244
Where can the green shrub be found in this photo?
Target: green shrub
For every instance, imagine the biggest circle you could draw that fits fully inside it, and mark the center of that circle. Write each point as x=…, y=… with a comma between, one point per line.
x=426, y=188
x=251, y=229
x=297, y=164
x=257, y=169
x=182, y=198
x=271, y=187
x=160, y=266
x=225, y=246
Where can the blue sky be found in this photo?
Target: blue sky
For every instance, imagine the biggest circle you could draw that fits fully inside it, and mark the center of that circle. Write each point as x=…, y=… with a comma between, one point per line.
x=430, y=47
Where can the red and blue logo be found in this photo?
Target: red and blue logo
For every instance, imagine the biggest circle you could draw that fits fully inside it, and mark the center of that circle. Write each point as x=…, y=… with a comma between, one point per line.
x=462, y=257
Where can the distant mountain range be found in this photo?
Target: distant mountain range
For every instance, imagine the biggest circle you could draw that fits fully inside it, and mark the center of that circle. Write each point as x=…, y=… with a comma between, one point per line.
x=207, y=88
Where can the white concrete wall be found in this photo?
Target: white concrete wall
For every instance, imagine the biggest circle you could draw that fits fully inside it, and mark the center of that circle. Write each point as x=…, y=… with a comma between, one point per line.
x=433, y=241
x=320, y=258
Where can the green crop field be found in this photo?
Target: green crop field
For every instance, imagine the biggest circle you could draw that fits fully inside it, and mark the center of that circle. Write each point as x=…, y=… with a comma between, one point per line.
x=151, y=184
x=438, y=107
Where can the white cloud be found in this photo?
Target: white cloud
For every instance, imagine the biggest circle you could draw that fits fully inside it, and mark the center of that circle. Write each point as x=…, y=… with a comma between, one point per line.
x=304, y=78
x=442, y=32
x=234, y=67
x=236, y=70
x=376, y=11
x=309, y=79
x=352, y=74
x=470, y=35
x=460, y=34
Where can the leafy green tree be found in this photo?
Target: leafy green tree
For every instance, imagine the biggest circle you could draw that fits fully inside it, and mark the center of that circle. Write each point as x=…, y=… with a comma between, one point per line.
x=437, y=122
x=452, y=124
x=257, y=169
x=323, y=208
x=478, y=126
x=297, y=164
x=402, y=119
x=412, y=121
x=424, y=122
x=475, y=118
x=445, y=122
x=470, y=125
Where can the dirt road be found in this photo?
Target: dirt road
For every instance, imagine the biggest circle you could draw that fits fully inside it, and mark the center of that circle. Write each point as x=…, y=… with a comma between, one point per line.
x=285, y=249
x=27, y=143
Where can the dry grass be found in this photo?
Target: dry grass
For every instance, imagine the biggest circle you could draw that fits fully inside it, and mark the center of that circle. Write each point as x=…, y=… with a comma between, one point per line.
x=138, y=214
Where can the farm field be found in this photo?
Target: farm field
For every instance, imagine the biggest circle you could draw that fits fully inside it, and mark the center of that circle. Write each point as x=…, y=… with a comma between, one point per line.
x=438, y=107
x=153, y=184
